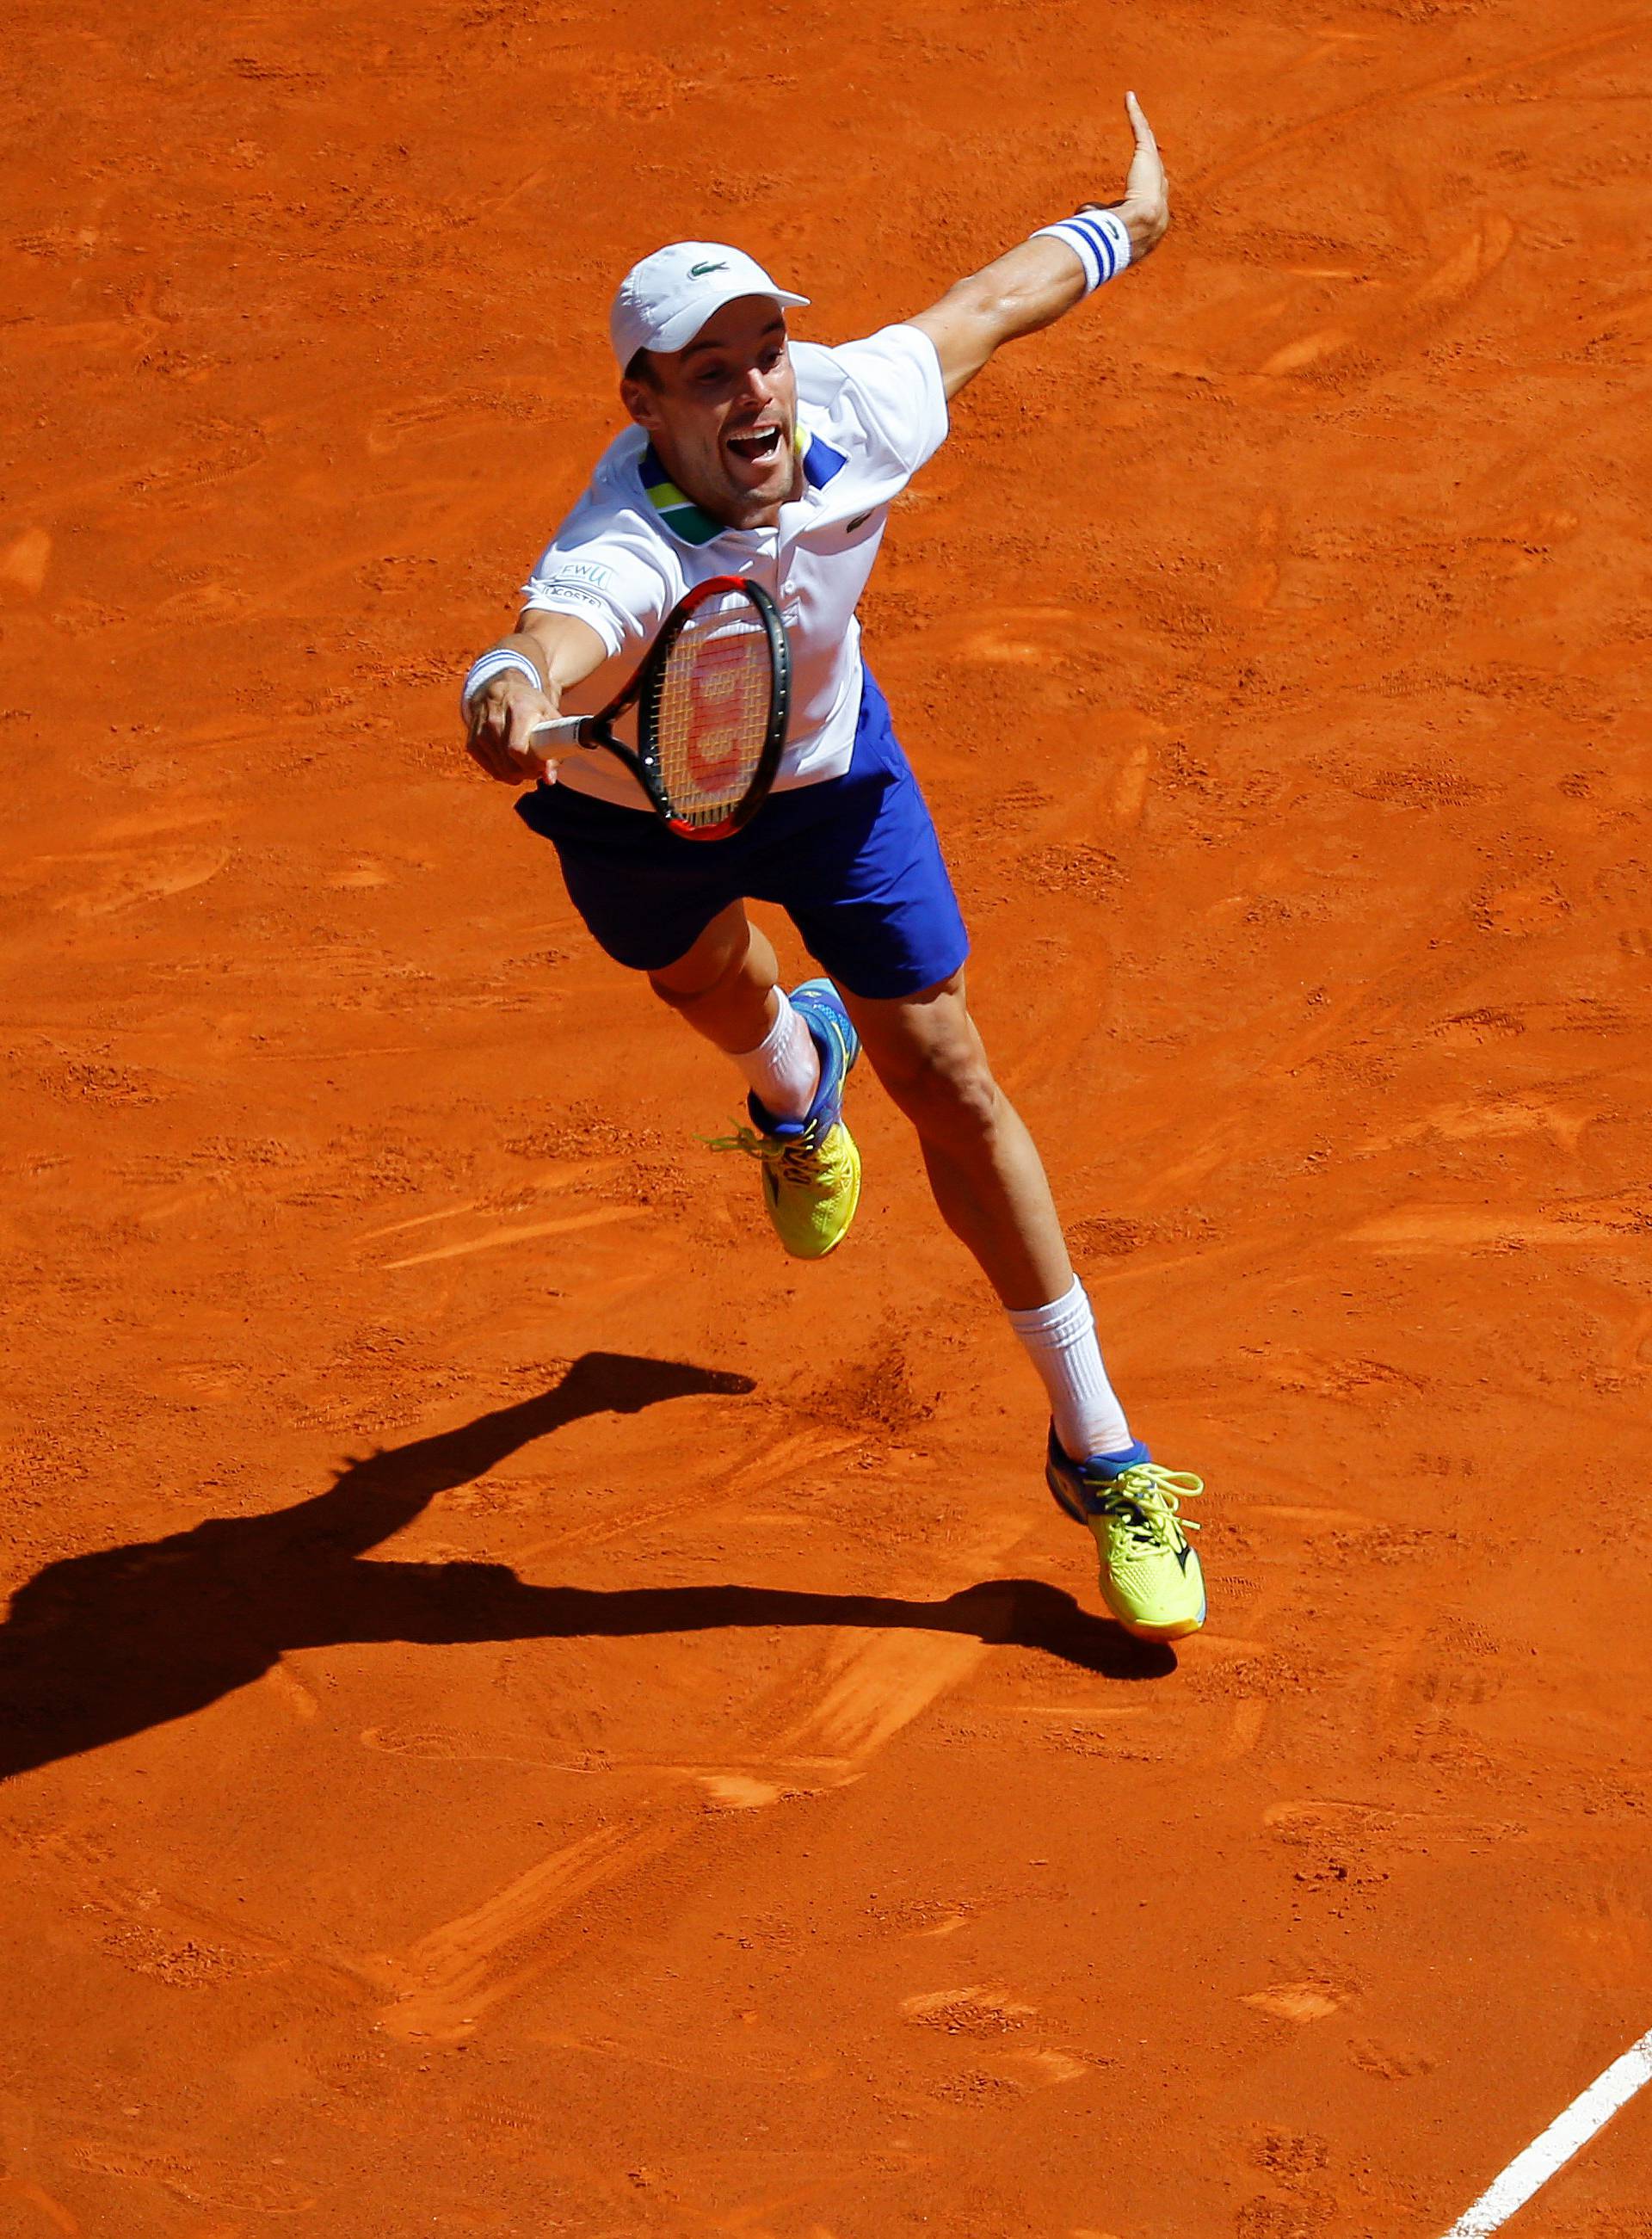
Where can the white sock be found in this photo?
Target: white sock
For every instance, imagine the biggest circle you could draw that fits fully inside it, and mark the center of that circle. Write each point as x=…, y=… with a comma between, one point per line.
x=1061, y=1341
x=784, y=1070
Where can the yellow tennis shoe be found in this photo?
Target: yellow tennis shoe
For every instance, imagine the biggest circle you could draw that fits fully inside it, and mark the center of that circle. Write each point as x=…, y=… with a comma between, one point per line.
x=811, y=1166
x=1151, y=1579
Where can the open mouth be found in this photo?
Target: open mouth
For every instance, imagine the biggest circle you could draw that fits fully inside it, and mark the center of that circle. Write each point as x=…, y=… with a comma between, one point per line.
x=757, y=446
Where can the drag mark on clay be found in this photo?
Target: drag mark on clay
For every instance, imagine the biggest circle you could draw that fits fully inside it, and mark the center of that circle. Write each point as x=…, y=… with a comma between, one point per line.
x=288, y=1689
x=982, y=2016
x=1449, y=1227
x=1263, y=584
x=454, y=1976
x=1245, y=1733
x=1470, y=262
x=738, y=1791
x=105, y=879
x=169, y=1937
x=600, y=1218
x=1416, y=1831
x=1511, y=1116
x=1314, y=1517
x=1309, y=350
x=1013, y=636
x=1297, y=2001
x=1130, y=790
x=202, y=2183
x=1050, y=2066
x=150, y=823
x=771, y=1465
x=25, y=559
x=1566, y=2135
x=437, y=1744
x=1452, y=81
x=971, y=2012
x=874, y=1687
x=1450, y=283
x=577, y=1170
x=54, y=2211
x=878, y=1687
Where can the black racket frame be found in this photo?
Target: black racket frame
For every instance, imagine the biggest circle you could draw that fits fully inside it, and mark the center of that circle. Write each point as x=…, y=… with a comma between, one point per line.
x=643, y=693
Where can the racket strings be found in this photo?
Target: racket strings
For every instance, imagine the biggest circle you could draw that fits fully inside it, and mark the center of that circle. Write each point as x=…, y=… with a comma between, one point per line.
x=714, y=709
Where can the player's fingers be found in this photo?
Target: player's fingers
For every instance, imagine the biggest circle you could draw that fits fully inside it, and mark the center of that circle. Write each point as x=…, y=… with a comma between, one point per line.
x=487, y=749
x=479, y=752
x=484, y=723
x=499, y=728
x=1145, y=162
x=519, y=748
x=524, y=712
x=1146, y=180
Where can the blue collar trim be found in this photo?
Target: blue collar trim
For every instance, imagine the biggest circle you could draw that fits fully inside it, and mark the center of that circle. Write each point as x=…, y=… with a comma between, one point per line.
x=685, y=518
x=820, y=462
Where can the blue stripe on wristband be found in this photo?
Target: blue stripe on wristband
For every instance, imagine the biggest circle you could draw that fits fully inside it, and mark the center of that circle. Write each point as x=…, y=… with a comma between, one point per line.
x=1101, y=241
x=1099, y=238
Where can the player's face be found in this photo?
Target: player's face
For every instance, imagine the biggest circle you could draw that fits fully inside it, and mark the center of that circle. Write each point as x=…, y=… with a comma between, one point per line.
x=722, y=414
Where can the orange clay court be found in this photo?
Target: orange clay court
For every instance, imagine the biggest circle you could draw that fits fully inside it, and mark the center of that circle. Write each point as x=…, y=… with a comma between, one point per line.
x=527, y=1712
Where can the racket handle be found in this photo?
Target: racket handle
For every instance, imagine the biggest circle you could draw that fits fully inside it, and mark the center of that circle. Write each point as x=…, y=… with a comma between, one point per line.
x=559, y=737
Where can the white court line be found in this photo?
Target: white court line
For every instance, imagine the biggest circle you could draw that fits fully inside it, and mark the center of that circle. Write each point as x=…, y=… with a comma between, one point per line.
x=1527, y=2171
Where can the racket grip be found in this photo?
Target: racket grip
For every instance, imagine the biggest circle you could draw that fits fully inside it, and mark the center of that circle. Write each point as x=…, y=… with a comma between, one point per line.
x=559, y=737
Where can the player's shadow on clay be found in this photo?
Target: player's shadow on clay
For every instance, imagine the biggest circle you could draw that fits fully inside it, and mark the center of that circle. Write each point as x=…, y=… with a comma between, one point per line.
x=99, y=1647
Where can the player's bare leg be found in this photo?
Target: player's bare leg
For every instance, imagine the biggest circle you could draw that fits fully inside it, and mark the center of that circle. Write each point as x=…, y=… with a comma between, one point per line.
x=983, y=1167
x=992, y=1191
x=726, y=986
x=795, y=1056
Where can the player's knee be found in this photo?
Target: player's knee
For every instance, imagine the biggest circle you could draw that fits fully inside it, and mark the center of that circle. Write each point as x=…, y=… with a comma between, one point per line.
x=709, y=976
x=951, y=1097
x=679, y=998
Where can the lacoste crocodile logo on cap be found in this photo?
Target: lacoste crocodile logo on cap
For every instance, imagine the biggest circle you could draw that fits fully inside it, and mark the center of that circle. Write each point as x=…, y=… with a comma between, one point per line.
x=699, y=271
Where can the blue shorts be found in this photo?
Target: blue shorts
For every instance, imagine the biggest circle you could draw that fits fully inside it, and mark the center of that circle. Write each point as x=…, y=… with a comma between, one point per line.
x=853, y=861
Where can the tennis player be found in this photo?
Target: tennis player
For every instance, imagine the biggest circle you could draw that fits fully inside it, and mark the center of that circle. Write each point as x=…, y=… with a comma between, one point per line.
x=754, y=455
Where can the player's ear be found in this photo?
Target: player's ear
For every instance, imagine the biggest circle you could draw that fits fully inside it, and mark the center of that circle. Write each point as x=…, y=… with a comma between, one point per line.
x=639, y=391
x=641, y=402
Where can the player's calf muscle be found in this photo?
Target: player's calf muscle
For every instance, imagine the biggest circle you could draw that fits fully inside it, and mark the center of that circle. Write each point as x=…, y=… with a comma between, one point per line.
x=722, y=986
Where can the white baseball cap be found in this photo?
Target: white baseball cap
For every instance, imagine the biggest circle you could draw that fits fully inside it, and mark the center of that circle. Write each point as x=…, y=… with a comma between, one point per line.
x=664, y=302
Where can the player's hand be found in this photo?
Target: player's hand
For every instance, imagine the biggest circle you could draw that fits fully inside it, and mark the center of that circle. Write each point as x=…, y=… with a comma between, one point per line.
x=1146, y=207
x=501, y=715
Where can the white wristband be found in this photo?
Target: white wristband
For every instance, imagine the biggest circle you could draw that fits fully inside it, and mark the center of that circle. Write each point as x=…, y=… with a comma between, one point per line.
x=1100, y=241
x=489, y=665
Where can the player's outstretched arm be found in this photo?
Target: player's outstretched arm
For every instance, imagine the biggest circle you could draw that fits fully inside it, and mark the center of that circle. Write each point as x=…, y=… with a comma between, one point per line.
x=1031, y=285
x=520, y=682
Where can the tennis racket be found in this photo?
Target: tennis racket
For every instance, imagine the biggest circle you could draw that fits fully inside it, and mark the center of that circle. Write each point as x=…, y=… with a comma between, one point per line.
x=712, y=699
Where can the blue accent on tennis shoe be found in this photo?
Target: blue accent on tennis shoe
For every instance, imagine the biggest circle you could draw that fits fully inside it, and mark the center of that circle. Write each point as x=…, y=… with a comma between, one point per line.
x=1072, y=1482
x=1151, y=1579
x=820, y=1006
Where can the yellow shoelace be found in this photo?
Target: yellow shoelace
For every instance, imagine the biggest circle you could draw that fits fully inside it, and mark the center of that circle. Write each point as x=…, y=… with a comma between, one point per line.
x=796, y=1158
x=1147, y=1501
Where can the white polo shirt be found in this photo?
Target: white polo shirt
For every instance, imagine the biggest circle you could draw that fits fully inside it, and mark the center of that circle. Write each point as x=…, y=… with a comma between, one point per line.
x=869, y=415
